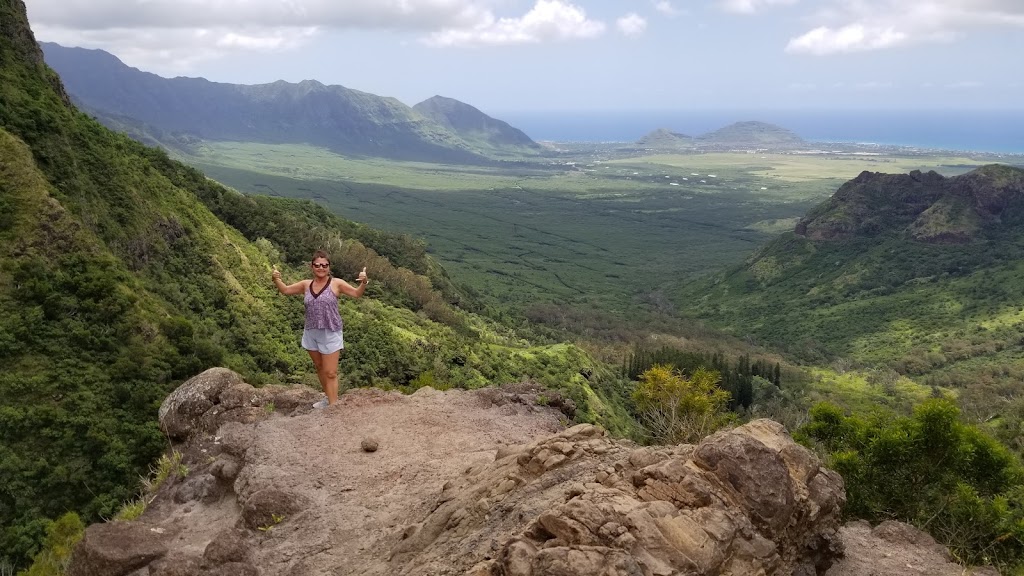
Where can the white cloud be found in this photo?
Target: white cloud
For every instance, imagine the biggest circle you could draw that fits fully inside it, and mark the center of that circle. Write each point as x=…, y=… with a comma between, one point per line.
x=855, y=37
x=172, y=36
x=862, y=25
x=665, y=7
x=178, y=51
x=264, y=41
x=194, y=14
x=750, y=6
x=549, y=20
x=631, y=24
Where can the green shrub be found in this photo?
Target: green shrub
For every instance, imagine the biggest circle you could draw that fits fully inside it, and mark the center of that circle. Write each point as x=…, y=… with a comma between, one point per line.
x=675, y=409
x=61, y=537
x=930, y=470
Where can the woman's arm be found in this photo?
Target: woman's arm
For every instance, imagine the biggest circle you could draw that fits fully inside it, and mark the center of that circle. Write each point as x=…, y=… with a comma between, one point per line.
x=288, y=289
x=349, y=290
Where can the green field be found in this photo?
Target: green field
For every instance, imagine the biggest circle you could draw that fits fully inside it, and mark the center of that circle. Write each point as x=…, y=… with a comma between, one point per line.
x=591, y=230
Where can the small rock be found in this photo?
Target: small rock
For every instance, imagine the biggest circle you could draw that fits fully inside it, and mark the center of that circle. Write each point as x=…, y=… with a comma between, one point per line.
x=267, y=508
x=369, y=444
x=226, y=468
x=228, y=546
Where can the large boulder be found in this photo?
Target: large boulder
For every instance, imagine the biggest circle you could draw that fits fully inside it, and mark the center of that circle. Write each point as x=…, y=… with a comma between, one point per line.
x=744, y=501
x=184, y=408
x=117, y=548
x=218, y=396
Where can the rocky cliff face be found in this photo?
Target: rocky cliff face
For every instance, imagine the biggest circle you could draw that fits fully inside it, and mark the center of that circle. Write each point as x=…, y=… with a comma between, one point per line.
x=479, y=483
x=923, y=206
x=14, y=28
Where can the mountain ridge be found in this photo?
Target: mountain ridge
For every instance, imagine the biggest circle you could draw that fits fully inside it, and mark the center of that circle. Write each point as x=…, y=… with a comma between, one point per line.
x=343, y=119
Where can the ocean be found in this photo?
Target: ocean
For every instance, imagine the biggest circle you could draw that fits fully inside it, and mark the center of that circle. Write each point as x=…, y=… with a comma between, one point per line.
x=981, y=131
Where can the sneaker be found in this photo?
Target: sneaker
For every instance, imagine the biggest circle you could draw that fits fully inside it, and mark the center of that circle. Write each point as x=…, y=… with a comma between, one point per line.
x=321, y=404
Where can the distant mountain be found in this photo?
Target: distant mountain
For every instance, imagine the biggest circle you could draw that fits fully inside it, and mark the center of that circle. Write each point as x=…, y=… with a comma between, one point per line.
x=476, y=127
x=664, y=139
x=344, y=120
x=738, y=135
x=918, y=272
x=751, y=134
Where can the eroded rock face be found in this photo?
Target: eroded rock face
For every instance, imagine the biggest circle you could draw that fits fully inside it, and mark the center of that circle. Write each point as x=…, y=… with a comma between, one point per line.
x=746, y=501
x=449, y=492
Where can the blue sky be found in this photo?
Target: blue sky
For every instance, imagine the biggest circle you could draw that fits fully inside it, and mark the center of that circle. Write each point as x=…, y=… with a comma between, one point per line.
x=584, y=55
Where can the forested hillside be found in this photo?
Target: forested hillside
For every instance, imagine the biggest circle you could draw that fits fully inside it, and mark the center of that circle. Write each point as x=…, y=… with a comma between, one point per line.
x=916, y=273
x=123, y=273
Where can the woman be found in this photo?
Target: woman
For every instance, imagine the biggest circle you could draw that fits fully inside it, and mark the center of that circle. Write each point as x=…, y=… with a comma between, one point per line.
x=322, y=336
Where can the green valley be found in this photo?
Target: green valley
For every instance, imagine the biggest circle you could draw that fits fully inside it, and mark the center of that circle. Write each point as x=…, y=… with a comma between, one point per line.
x=597, y=227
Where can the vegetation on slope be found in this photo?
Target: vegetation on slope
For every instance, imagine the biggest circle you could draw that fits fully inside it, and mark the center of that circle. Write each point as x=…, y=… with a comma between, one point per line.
x=862, y=284
x=930, y=470
x=124, y=273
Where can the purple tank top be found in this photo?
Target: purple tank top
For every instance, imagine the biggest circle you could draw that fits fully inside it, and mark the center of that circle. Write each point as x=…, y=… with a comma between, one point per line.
x=322, y=309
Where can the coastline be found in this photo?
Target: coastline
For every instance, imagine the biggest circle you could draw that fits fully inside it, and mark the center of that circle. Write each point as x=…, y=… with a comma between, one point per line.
x=988, y=131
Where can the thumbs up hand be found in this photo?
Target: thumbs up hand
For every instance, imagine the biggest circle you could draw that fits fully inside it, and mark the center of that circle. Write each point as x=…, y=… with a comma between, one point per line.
x=362, y=276
x=276, y=274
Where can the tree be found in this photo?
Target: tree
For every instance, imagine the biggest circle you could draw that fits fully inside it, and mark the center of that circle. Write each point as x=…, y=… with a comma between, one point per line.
x=674, y=409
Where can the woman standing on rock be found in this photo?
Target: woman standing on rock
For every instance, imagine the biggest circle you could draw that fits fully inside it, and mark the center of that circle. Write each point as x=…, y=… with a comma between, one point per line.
x=322, y=336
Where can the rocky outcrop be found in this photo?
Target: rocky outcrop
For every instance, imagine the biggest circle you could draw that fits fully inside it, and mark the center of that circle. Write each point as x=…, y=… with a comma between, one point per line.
x=479, y=483
x=924, y=206
x=746, y=501
x=217, y=396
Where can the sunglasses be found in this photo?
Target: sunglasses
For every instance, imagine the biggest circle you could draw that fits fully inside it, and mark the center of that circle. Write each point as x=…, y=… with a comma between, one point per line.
x=321, y=265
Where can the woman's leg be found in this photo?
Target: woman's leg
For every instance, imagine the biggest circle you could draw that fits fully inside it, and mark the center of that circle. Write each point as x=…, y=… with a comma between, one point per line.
x=318, y=361
x=329, y=378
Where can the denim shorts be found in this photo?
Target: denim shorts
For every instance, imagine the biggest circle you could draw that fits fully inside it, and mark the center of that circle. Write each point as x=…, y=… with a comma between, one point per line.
x=323, y=341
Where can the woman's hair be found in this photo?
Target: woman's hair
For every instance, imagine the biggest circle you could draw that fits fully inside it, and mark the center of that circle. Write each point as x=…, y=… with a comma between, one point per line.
x=320, y=254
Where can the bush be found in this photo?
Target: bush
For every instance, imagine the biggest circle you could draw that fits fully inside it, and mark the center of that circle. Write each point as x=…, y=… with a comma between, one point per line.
x=674, y=409
x=61, y=537
x=930, y=470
